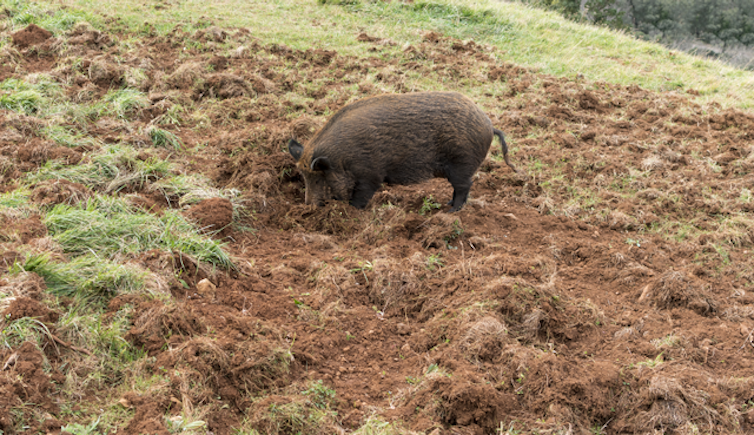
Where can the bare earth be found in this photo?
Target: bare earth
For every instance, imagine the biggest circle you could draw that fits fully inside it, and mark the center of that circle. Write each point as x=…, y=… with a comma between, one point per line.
x=555, y=300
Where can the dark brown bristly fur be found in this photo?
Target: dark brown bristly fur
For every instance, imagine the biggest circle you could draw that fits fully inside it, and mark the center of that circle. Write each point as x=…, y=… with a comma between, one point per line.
x=396, y=139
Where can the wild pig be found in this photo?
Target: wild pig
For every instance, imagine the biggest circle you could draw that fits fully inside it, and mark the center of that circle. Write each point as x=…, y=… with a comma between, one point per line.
x=396, y=139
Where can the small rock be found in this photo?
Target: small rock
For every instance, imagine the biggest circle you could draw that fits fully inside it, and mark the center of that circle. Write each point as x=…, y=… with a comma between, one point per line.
x=239, y=52
x=402, y=329
x=406, y=349
x=206, y=288
x=645, y=293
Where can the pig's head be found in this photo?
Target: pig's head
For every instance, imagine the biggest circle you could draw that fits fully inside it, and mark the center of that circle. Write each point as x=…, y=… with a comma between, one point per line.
x=324, y=179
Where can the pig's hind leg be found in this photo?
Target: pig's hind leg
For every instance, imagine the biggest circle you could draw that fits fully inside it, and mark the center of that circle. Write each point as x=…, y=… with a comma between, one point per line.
x=461, y=187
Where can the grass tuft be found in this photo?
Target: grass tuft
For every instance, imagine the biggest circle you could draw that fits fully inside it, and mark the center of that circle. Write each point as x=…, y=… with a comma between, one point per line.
x=88, y=277
x=29, y=98
x=123, y=103
x=15, y=202
x=113, y=168
x=163, y=138
x=23, y=13
x=68, y=137
x=111, y=227
x=374, y=425
x=16, y=332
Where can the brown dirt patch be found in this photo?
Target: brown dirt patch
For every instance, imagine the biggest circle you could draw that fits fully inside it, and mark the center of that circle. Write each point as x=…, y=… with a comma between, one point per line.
x=25, y=307
x=53, y=192
x=30, y=35
x=223, y=86
x=23, y=230
x=24, y=381
x=212, y=216
x=149, y=414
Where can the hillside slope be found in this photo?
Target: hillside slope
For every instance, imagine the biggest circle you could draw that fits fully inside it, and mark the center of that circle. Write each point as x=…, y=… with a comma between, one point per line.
x=523, y=35
x=160, y=272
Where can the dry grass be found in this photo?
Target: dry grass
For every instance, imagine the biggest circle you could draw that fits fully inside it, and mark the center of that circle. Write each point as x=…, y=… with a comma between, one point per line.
x=185, y=76
x=678, y=289
x=333, y=281
x=393, y=281
x=304, y=128
x=53, y=192
x=484, y=339
x=676, y=397
x=652, y=163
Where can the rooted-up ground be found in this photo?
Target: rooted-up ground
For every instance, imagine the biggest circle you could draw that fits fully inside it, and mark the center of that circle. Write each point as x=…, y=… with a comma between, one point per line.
x=605, y=289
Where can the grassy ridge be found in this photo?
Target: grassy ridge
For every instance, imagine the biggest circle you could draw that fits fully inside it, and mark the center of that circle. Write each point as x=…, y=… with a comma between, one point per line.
x=528, y=36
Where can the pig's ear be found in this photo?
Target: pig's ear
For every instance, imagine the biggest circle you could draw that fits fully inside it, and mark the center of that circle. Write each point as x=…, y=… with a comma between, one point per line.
x=321, y=164
x=295, y=148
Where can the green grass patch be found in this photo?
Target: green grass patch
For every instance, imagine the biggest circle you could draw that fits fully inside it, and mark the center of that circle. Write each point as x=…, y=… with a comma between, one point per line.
x=14, y=200
x=94, y=353
x=57, y=20
x=111, y=169
x=734, y=231
x=88, y=277
x=103, y=336
x=175, y=115
x=16, y=332
x=29, y=98
x=123, y=103
x=112, y=227
x=67, y=136
x=81, y=429
x=297, y=416
x=24, y=101
x=455, y=19
x=163, y=138
x=374, y=425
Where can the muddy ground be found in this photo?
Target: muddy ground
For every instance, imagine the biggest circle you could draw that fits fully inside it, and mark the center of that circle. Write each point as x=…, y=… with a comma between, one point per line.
x=595, y=292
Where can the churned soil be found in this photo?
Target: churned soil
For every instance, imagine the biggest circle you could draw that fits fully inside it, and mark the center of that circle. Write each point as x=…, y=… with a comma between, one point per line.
x=562, y=298
x=30, y=35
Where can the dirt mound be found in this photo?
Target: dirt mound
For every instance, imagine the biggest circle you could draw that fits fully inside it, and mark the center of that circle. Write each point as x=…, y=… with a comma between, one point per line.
x=9, y=258
x=222, y=86
x=336, y=218
x=212, y=215
x=27, y=284
x=185, y=75
x=53, y=192
x=151, y=328
x=104, y=71
x=478, y=407
x=677, y=289
x=30, y=35
x=21, y=230
x=148, y=414
x=25, y=307
x=23, y=380
x=304, y=127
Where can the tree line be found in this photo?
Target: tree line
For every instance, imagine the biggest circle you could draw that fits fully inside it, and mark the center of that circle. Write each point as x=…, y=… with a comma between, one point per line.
x=720, y=28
